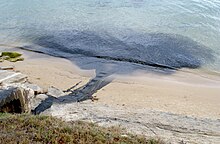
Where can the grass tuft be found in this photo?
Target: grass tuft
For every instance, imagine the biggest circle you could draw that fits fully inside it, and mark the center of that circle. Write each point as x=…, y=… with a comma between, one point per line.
x=43, y=129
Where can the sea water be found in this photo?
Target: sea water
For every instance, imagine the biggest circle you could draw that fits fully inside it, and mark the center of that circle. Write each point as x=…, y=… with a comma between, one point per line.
x=131, y=33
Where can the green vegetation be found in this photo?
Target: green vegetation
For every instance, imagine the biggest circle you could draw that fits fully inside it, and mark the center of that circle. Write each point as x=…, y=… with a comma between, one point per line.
x=11, y=56
x=44, y=129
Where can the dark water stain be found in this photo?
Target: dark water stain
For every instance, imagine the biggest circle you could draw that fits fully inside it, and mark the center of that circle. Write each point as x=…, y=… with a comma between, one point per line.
x=151, y=52
x=83, y=93
x=158, y=50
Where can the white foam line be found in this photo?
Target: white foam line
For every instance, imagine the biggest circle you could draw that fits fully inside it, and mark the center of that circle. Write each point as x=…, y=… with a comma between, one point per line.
x=8, y=77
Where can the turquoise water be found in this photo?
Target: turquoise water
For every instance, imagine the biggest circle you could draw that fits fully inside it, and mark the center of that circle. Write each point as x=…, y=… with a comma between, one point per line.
x=25, y=21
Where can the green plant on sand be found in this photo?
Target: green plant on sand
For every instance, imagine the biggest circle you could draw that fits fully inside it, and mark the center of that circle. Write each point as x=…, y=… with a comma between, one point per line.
x=11, y=56
x=44, y=129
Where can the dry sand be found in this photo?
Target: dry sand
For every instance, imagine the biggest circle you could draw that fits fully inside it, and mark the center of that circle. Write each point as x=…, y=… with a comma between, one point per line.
x=49, y=71
x=156, y=93
x=181, y=93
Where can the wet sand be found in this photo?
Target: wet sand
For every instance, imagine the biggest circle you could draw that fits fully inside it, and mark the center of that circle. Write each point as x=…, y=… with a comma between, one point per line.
x=183, y=93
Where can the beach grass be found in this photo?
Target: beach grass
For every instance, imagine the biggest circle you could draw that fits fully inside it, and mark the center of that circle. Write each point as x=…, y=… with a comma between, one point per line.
x=26, y=128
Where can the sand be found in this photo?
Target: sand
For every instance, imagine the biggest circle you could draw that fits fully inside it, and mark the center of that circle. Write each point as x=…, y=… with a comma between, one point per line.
x=47, y=71
x=163, y=95
x=185, y=93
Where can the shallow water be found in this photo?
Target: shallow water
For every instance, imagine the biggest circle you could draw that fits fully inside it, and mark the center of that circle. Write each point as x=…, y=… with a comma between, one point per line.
x=173, y=33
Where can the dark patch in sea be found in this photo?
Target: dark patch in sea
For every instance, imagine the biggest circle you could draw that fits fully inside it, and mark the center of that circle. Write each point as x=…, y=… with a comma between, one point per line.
x=158, y=50
x=154, y=52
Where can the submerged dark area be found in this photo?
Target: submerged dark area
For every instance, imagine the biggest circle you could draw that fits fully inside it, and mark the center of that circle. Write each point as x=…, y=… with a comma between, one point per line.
x=151, y=52
x=91, y=50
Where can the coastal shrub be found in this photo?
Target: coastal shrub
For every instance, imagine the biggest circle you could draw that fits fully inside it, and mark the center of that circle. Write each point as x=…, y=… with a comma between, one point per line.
x=44, y=129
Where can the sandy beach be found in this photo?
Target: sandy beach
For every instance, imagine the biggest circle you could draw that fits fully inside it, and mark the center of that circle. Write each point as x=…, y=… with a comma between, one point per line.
x=182, y=93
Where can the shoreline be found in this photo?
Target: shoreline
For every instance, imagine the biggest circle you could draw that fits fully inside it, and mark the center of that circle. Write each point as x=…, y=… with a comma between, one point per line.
x=189, y=95
x=47, y=71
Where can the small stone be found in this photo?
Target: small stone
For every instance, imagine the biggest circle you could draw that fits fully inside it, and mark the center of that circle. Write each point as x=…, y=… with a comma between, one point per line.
x=94, y=98
x=37, y=90
x=37, y=100
x=1, y=60
x=124, y=135
x=41, y=96
x=55, y=92
x=5, y=57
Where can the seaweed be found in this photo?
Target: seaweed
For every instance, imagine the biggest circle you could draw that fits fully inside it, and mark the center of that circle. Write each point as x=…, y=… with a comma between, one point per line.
x=11, y=56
